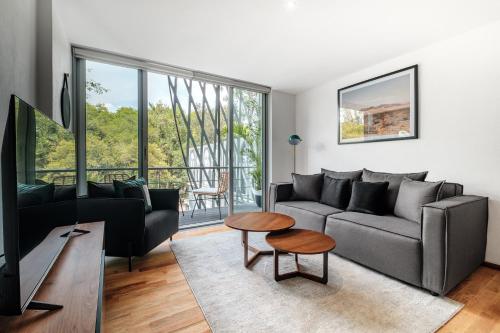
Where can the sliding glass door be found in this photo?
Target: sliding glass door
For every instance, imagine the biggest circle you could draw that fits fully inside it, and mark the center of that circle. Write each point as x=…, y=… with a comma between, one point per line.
x=187, y=144
x=203, y=138
x=247, y=163
x=112, y=122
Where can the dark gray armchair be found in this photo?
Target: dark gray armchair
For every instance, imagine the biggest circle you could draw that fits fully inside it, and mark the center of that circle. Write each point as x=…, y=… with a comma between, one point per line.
x=129, y=231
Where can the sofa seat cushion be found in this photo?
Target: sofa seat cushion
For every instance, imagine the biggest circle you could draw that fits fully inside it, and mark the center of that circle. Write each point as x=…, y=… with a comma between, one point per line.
x=388, y=223
x=307, y=214
x=387, y=252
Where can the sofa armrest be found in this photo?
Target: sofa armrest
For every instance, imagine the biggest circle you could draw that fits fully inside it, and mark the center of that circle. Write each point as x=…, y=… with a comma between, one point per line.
x=124, y=219
x=279, y=192
x=453, y=239
x=163, y=199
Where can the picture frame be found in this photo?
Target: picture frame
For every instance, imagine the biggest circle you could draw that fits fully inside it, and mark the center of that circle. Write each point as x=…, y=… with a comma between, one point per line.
x=383, y=108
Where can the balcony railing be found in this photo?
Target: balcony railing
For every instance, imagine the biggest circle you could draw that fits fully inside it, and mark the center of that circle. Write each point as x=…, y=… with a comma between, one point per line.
x=175, y=177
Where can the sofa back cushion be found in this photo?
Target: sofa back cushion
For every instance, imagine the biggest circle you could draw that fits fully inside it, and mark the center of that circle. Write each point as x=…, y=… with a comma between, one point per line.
x=336, y=192
x=368, y=197
x=394, y=180
x=412, y=195
x=307, y=187
x=352, y=175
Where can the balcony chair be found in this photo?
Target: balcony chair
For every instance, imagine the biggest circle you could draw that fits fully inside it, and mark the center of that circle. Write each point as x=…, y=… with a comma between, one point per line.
x=115, y=176
x=213, y=192
x=64, y=180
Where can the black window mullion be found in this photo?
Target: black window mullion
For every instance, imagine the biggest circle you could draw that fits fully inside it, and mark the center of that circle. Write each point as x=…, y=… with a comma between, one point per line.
x=143, y=123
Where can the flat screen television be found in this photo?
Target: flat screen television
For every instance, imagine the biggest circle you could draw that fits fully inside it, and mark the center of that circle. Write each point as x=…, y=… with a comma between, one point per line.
x=39, y=203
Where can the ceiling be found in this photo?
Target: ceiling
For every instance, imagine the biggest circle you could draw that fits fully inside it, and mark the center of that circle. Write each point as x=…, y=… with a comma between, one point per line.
x=266, y=41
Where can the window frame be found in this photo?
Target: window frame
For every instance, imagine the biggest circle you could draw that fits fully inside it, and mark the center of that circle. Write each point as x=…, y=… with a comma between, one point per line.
x=81, y=55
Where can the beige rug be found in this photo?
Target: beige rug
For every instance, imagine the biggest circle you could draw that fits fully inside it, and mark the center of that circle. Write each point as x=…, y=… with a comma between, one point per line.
x=356, y=299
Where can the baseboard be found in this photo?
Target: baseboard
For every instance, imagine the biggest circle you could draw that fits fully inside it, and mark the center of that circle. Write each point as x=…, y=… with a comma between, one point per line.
x=491, y=265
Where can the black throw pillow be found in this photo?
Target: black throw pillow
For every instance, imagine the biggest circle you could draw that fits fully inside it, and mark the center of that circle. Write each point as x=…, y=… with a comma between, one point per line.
x=336, y=192
x=65, y=192
x=100, y=190
x=368, y=197
x=307, y=187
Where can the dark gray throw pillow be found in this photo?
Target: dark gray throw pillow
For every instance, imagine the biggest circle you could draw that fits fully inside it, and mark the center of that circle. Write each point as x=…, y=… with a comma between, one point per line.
x=100, y=190
x=307, y=187
x=336, y=192
x=394, y=180
x=139, y=192
x=352, y=175
x=368, y=197
x=412, y=195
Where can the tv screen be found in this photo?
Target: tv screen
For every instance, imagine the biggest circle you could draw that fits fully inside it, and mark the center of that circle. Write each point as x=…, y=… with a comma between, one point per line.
x=39, y=172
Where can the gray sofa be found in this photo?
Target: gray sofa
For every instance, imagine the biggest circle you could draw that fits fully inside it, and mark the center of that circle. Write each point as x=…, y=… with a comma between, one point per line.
x=436, y=253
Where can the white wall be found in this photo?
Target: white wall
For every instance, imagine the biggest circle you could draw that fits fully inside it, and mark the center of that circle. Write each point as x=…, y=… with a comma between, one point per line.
x=281, y=125
x=459, y=121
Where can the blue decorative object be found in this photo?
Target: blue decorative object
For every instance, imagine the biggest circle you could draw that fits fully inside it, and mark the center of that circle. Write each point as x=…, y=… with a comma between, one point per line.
x=294, y=140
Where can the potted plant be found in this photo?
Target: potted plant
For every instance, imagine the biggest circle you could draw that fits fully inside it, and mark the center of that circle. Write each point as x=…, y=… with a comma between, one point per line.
x=251, y=135
x=257, y=180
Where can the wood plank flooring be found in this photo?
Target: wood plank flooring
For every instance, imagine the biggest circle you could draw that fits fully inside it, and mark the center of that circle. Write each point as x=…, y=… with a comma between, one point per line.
x=155, y=296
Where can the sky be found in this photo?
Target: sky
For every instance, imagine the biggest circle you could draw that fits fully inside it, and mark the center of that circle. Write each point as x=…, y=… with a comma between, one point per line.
x=122, y=85
x=395, y=90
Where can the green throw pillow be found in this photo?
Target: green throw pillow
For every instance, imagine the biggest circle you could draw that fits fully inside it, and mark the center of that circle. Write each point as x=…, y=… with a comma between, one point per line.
x=31, y=195
x=122, y=185
x=134, y=188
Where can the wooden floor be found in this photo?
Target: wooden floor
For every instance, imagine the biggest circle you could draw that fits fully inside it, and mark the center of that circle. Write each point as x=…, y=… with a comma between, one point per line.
x=155, y=297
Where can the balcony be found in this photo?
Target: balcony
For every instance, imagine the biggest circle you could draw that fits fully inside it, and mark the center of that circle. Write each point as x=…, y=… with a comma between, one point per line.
x=207, y=212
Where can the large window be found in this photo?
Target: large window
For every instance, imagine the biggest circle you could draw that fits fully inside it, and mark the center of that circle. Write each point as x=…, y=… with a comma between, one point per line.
x=175, y=131
x=248, y=150
x=112, y=122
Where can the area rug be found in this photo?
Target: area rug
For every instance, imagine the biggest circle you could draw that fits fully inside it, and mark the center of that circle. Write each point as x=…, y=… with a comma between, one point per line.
x=356, y=299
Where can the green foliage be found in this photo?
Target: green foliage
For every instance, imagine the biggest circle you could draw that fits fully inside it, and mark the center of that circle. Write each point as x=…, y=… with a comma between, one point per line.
x=112, y=140
x=55, y=148
x=95, y=87
x=352, y=130
x=250, y=131
x=251, y=135
x=164, y=147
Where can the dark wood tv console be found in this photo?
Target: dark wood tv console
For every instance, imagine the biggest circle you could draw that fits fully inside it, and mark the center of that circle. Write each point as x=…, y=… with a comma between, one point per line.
x=76, y=282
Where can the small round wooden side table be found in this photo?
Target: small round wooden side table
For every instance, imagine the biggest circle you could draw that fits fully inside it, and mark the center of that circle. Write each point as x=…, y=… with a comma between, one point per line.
x=257, y=222
x=300, y=241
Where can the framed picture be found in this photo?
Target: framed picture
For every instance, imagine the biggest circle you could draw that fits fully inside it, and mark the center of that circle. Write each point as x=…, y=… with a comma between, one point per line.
x=384, y=108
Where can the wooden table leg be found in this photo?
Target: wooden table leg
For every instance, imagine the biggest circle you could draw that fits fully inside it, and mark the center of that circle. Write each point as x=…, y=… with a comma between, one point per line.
x=244, y=235
x=279, y=277
x=246, y=248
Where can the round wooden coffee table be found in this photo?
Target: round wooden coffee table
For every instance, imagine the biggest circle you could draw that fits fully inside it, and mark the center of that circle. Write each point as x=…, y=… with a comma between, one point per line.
x=257, y=222
x=300, y=241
